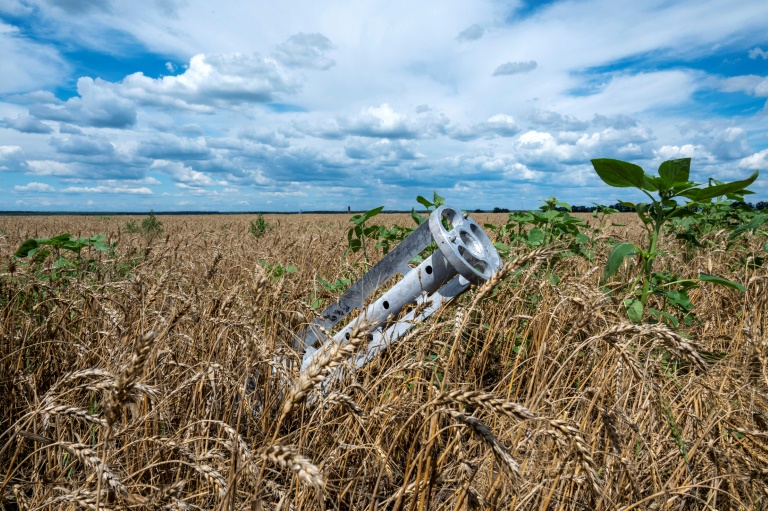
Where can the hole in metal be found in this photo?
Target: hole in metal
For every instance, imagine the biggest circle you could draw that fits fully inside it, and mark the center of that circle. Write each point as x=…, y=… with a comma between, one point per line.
x=428, y=269
x=385, y=304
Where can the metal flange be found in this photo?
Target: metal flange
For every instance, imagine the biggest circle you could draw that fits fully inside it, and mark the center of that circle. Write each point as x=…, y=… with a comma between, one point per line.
x=464, y=244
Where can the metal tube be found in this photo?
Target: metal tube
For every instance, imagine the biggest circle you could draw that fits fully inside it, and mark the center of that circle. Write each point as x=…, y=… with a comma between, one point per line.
x=423, y=280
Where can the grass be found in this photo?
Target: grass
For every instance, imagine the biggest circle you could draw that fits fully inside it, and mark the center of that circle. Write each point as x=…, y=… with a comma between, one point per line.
x=165, y=379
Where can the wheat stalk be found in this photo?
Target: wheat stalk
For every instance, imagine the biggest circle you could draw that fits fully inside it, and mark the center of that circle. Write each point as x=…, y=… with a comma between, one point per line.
x=290, y=458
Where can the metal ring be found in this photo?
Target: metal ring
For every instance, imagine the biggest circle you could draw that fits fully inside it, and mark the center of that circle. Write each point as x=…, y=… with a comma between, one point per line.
x=465, y=245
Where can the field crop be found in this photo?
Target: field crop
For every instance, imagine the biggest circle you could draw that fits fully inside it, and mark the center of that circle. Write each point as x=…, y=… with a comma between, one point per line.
x=157, y=371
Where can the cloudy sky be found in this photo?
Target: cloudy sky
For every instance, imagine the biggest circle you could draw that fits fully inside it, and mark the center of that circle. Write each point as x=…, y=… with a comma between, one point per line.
x=249, y=105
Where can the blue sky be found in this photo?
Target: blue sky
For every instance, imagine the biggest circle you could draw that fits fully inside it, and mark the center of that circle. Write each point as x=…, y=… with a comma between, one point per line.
x=303, y=105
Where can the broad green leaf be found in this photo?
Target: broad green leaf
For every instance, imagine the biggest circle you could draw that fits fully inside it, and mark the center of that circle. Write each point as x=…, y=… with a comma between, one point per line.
x=535, y=236
x=634, y=309
x=61, y=238
x=372, y=213
x=651, y=183
x=501, y=247
x=661, y=314
x=617, y=256
x=752, y=225
x=674, y=172
x=679, y=299
x=437, y=200
x=290, y=269
x=723, y=282
x=710, y=192
x=26, y=248
x=619, y=174
x=63, y=262
x=424, y=202
x=417, y=217
x=690, y=238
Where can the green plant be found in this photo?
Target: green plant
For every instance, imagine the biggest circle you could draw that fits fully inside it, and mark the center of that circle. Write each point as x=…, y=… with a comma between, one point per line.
x=672, y=183
x=259, y=226
x=151, y=225
x=552, y=222
x=38, y=250
x=386, y=237
x=277, y=270
x=332, y=288
x=132, y=227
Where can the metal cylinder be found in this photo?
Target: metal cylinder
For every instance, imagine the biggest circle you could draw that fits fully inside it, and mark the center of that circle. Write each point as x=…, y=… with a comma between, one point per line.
x=423, y=280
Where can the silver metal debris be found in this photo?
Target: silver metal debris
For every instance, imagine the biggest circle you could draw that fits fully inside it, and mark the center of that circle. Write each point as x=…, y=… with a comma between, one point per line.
x=465, y=256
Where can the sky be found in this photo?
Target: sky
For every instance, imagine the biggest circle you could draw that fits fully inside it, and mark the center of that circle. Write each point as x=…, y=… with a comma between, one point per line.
x=298, y=105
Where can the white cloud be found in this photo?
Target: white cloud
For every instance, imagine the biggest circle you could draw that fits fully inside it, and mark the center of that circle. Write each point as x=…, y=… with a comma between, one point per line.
x=629, y=94
x=757, y=161
x=170, y=147
x=27, y=124
x=213, y=81
x=306, y=50
x=9, y=150
x=673, y=152
x=384, y=149
x=27, y=65
x=514, y=68
x=758, y=52
x=99, y=105
x=183, y=175
x=499, y=125
x=108, y=189
x=751, y=84
x=52, y=168
x=34, y=187
x=382, y=121
x=471, y=33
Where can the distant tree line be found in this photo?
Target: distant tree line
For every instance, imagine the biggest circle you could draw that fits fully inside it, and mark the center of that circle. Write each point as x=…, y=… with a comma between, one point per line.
x=626, y=209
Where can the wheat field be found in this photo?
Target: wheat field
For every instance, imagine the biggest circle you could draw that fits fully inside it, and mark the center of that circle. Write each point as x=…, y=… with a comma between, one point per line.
x=163, y=377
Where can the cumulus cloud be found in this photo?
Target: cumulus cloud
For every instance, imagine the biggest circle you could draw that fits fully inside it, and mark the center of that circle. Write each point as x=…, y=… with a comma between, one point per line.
x=69, y=129
x=723, y=143
x=52, y=168
x=11, y=158
x=674, y=152
x=169, y=147
x=27, y=124
x=499, y=125
x=384, y=150
x=213, y=81
x=490, y=167
x=382, y=121
x=757, y=160
x=513, y=68
x=83, y=146
x=471, y=33
x=183, y=175
x=34, y=186
x=208, y=83
x=758, y=52
x=266, y=136
x=99, y=104
x=305, y=50
x=38, y=96
x=751, y=84
x=108, y=189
